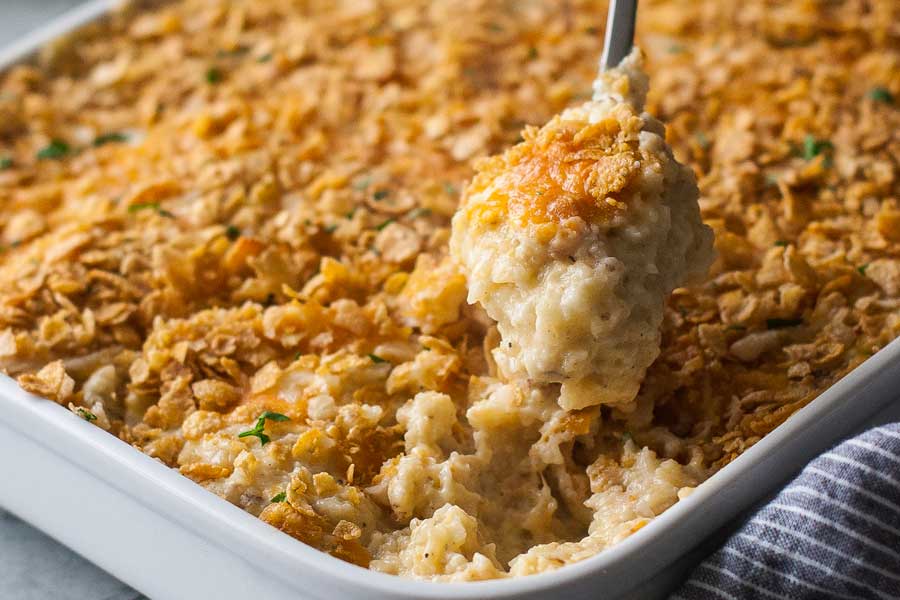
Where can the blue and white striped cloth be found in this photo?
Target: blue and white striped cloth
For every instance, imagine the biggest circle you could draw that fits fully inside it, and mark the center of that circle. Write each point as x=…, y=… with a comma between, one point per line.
x=834, y=532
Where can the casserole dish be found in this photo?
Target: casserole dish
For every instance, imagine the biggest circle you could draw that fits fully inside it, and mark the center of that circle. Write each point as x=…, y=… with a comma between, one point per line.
x=200, y=534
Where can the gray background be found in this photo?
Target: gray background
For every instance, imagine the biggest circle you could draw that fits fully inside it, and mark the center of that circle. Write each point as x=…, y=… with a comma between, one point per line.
x=33, y=566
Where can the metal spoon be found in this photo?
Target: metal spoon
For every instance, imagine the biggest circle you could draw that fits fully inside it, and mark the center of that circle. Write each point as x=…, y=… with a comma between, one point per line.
x=619, y=33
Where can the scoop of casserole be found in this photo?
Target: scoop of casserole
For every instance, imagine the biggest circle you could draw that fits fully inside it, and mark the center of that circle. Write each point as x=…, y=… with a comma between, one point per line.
x=573, y=239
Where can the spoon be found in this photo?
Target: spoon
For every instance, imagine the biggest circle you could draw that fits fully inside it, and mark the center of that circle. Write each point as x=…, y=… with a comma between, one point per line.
x=619, y=33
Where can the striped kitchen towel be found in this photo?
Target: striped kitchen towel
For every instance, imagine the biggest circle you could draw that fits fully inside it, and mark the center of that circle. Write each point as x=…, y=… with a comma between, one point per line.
x=834, y=532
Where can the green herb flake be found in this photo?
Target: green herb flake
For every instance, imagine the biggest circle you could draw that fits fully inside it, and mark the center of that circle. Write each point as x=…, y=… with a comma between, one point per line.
x=881, y=94
x=264, y=58
x=377, y=359
x=214, y=75
x=450, y=189
x=232, y=232
x=676, y=49
x=110, y=138
x=592, y=30
x=6, y=163
x=532, y=53
x=278, y=498
x=154, y=206
x=702, y=140
x=274, y=416
x=418, y=212
x=862, y=269
x=380, y=195
x=385, y=224
x=813, y=147
x=350, y=214
x=781, y=243
x=55, y=150
x=257, y=430
x=782, y=323
x=495, y=27
x=330, y=228
x=362, y=183
x=86, y=414
x=143, y=206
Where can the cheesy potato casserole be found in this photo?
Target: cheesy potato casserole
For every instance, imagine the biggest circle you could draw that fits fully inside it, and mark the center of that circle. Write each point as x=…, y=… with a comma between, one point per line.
x=226, y=240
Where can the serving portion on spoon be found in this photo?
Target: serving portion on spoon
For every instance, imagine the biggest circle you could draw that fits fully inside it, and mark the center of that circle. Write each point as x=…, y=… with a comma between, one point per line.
x=573, y=239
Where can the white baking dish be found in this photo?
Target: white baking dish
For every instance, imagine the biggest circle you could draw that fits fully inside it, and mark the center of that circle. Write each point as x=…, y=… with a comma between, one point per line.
x=171, y=539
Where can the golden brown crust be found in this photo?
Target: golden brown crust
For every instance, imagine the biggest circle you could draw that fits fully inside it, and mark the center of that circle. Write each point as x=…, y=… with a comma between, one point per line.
x=565, y=169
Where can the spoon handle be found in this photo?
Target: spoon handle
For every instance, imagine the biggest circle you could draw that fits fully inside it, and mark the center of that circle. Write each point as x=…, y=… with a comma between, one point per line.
x=619, y=32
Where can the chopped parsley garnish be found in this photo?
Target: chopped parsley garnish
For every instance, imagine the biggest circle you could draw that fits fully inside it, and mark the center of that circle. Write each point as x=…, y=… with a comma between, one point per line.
x=881, y=94
x=154, y=206
x=362, y=183
x=214, y=75
x=350, y=214
x=592, y=30
x=676, y=49
x=5, y=163
x=781, y=243
x=495, y=27
x=232, y=232
x=782, y=323
x=380, y=195
x=257, y=431
x=450, y=189
x=239, y=51
x=55, y=150
x=377, y=359
x=385, y=224
x=813, y=147
x=278, y=498
x=862, y=269
x=110, y=138
x=330, y=228
x=418, y=212
x=86, y=414
x=702, y=140
x=532, y=53
x=264, y=58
